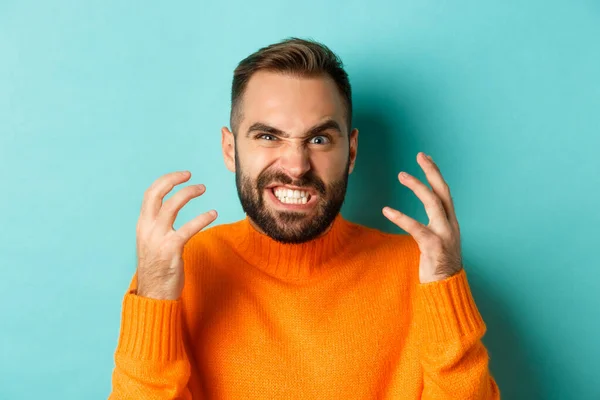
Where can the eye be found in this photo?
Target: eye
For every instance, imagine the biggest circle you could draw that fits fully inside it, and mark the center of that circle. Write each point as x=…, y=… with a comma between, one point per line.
x=319, y=140
x=267, y=137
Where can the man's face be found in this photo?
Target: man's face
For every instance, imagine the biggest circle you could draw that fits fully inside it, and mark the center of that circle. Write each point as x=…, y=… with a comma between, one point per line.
x=291, y=155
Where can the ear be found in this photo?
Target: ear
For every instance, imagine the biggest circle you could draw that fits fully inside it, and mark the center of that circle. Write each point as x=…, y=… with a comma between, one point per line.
x=353, y=149
x=228, y=146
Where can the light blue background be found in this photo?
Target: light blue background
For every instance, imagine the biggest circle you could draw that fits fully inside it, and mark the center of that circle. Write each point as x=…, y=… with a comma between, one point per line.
x=99, y=98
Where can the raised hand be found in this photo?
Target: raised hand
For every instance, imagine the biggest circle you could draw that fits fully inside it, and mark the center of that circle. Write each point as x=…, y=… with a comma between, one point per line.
x=439, y=241
x=159, y=246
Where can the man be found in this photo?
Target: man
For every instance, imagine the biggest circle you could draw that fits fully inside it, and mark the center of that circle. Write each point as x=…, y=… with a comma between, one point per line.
x=295, y=302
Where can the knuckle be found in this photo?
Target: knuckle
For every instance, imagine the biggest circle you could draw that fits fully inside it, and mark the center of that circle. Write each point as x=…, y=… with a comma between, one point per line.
x=143, y=232
x=182, y=196
x=208, y=217
x=172, y=175
x=436, y=202
x=169, y=207
x=175, y=177
x=194, y=190
x=445, y=189
x=153, y=190
x=164, y=183
x=148, y=192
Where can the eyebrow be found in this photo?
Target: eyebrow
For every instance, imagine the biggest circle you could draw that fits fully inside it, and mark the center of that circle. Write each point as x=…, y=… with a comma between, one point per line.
x=315, y=130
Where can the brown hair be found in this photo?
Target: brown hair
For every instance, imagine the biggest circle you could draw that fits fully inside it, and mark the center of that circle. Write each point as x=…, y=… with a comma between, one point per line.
x=291, y=56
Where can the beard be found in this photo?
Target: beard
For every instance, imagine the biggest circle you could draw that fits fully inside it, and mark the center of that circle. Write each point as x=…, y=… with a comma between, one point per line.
x=291, y=226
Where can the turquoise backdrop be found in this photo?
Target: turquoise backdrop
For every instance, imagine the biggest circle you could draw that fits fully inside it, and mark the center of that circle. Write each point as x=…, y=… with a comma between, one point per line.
x=99, y=98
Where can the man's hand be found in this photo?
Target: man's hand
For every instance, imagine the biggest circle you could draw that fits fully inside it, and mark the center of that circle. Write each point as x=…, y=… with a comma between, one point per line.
x=439, y=241
x=159, y=246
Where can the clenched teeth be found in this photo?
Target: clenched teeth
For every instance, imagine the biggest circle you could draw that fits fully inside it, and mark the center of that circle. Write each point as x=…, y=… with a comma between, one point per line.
x=289, y=196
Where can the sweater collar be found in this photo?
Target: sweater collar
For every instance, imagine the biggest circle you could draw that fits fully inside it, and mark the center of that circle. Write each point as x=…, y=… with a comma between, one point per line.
x=292, y=262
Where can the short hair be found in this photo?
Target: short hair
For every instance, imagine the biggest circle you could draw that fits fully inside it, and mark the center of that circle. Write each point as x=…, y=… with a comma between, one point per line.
x=294, y=56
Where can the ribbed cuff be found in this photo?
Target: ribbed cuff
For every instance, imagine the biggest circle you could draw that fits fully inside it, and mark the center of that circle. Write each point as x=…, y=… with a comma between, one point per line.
x=151, y=329
x=446, y=310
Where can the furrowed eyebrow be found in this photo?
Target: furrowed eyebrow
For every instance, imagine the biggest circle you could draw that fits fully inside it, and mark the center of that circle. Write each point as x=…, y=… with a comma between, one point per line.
x=315, y=130
x=260, y=127
x=327, y=125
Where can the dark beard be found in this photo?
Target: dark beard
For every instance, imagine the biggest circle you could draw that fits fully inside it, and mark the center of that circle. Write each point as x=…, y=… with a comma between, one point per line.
x=290, y=226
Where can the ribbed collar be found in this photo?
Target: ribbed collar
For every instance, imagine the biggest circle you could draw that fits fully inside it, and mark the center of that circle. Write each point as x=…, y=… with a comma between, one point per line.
x=292, y=262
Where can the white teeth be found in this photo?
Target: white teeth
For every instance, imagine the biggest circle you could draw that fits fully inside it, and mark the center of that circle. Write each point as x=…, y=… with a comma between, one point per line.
x=291, y=196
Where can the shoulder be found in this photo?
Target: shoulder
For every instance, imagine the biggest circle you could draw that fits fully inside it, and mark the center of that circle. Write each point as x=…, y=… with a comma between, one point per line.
x=392, y=257
x=376, y=240
x=376, y=235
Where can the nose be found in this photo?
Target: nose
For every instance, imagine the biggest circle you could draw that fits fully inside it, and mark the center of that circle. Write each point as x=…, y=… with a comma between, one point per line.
x=295, y=160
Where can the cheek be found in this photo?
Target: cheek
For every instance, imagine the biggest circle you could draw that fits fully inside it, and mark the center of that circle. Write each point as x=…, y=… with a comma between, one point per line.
x=254, y=163
x=329, y=166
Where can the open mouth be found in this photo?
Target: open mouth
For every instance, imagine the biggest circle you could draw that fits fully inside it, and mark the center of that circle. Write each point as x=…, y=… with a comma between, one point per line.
x=292, y=198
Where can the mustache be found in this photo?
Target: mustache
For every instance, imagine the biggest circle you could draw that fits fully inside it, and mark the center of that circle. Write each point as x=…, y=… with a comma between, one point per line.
x=307, y=180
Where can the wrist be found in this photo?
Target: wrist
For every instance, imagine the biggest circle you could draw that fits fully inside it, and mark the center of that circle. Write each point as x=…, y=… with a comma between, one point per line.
x=156, y=294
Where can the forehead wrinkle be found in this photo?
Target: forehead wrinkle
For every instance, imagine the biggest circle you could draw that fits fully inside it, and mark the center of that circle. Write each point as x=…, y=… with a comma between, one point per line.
x=288, y=98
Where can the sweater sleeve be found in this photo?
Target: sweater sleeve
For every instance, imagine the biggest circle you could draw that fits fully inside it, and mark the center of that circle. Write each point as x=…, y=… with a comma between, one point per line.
x=453, y=358
x=150, y=359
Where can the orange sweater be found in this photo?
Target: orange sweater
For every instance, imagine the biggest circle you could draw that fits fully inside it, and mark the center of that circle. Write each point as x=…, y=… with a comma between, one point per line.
x=341, y=317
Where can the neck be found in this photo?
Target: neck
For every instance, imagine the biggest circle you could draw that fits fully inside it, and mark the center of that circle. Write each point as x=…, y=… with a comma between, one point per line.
x=259, y=230
x=289, y=261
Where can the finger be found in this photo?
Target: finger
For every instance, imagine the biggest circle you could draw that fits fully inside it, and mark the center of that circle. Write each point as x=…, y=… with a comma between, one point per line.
x=438, y=185
x=154, y=195
x=168, y=212
x=413, y=227
x=196, y=225
x=433, y=206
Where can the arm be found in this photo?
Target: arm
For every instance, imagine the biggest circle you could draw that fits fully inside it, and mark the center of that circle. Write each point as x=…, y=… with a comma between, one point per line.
x=150, y=359
x=454, y=360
